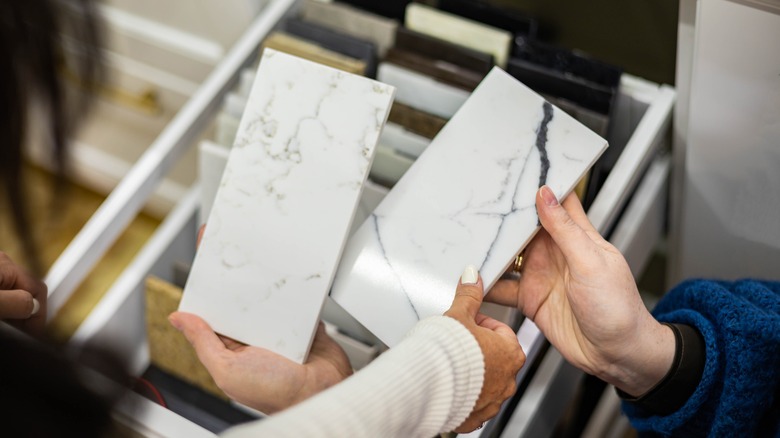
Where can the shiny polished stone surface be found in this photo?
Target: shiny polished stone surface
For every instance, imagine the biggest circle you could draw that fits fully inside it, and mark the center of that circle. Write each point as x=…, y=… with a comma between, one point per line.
x=468, y=199
x=285, y=203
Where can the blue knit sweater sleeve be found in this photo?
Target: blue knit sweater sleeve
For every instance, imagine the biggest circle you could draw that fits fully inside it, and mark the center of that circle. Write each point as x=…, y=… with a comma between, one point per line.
x=740, y=388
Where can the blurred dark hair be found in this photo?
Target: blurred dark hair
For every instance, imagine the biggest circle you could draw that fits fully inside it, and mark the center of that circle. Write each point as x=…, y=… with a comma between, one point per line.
x=43, y=393
x=33, y=58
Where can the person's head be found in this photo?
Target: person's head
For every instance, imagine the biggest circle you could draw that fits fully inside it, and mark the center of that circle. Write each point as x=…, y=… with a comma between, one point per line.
x=39, y=41
x=43, y=393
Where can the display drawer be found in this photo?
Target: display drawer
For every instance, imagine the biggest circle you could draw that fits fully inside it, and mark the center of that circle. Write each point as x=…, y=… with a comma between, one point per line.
x=630, y=202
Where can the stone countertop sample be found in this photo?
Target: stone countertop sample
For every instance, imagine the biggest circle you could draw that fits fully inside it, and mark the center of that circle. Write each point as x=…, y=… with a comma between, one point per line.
x=285, y=203
x=468, y=199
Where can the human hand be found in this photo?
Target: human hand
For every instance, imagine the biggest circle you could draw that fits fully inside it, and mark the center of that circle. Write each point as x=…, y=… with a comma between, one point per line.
x=22, y=297
x=260, y=378
x=580, y=292
x=500, y=348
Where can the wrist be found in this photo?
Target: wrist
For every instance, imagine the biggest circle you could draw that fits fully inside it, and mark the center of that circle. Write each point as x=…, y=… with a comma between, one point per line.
x=646, y=363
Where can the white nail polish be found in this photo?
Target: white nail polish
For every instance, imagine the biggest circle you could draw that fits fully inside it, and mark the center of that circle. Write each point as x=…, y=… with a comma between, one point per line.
x=36, y=307
x=470, y=275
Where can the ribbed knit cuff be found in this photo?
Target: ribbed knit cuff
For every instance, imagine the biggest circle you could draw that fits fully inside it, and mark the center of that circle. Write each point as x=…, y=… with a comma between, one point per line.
x=682, y=379
x=468, y=364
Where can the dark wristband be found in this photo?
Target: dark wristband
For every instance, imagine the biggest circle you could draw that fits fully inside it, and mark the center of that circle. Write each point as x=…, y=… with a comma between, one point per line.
x=677, y=386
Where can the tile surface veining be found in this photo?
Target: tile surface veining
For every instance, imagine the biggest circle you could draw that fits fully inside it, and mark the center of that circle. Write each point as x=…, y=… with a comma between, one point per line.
x=468, y=199
x=285, y=203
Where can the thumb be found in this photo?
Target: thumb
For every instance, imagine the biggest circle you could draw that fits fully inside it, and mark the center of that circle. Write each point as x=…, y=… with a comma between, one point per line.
x=468, y=295
x=206, y=343
x=563, y=229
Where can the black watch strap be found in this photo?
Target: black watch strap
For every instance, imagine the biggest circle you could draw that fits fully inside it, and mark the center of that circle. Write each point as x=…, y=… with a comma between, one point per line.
x=677, y=386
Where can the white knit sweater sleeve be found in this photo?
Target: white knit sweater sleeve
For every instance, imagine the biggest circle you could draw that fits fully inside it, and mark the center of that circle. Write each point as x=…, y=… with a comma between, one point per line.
x=427, y=384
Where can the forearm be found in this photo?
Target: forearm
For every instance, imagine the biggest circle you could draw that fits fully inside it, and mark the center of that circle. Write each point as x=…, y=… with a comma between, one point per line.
x=427, y=384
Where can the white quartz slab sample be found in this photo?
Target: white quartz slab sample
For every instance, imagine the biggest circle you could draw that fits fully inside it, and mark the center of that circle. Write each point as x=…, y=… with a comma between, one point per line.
x=285, y=203
x=389, y=166
x=226, y=128
x=406, y=142
x=372, y=195
x=234, y=104
x=212, y=159
x=245, y=81
x=468, y=199
x=422, y=92
x=459, y=30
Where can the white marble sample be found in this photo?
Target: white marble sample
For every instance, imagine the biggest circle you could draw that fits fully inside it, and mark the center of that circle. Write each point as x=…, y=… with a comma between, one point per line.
x=422, y=92
x=389, y=166
x=226, y=128
x=212, y=159
x=352, y=21
x=403, y=141
x=245, y=81
x=372, y=195
x=234, y=104
x=459, y=30
x=285, y=203
x=468, y=199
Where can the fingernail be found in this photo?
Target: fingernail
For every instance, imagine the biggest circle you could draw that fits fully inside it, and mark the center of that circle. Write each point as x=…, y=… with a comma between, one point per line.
x=548, y=196
x=36, y=307
x=470, y=275
x=174, y=322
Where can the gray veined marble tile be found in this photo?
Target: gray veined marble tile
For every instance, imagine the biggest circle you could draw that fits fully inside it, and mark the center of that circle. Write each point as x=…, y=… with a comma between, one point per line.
x=468, y=199
x=287, y=196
